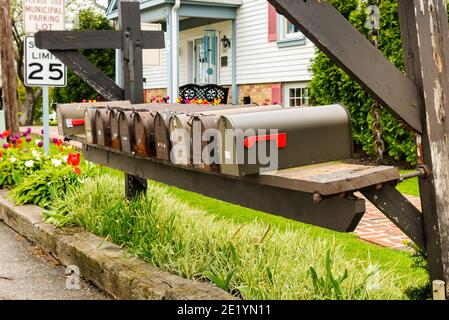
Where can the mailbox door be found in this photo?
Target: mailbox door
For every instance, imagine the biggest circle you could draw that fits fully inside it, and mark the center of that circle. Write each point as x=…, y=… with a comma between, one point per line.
x=142, y=127
x=126, y=136
x=161, y=123
x=103, y=128
x=304, y=136
x=180, y=130
x=89, y=119
x=115, y=130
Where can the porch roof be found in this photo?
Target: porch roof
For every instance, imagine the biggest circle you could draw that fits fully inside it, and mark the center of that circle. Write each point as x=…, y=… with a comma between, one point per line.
x=153, y=10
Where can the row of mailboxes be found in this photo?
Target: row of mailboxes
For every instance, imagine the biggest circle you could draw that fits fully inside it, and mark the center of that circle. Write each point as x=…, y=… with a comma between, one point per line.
x=242, y=140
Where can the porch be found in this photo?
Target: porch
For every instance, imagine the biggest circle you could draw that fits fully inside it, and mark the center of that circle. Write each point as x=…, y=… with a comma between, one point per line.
x=203, y=53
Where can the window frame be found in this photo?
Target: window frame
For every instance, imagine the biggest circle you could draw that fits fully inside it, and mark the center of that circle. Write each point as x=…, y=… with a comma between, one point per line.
x=295, y=85
x=285, y=39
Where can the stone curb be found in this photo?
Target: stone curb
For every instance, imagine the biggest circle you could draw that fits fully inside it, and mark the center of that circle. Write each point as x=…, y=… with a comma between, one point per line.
x=101, y=262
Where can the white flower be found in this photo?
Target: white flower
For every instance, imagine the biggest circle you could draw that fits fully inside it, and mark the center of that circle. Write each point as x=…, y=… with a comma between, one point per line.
x=12, y=159
x=36, y=154
x=65, y=158
x=29, y=163
x=56, y=162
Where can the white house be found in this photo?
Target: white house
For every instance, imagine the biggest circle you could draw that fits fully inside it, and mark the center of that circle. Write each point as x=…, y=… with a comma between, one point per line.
x=242, y=44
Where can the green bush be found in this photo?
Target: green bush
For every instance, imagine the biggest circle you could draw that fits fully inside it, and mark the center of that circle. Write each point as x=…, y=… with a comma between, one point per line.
x=331, y=84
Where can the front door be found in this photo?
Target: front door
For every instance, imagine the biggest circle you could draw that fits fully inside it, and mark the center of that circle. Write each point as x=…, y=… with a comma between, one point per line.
x=205, y=59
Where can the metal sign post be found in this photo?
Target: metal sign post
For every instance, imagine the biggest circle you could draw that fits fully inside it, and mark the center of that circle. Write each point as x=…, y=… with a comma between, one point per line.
x=43, y=69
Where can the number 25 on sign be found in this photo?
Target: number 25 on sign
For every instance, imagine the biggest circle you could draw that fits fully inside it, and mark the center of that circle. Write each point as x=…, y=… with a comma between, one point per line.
x=42, y=68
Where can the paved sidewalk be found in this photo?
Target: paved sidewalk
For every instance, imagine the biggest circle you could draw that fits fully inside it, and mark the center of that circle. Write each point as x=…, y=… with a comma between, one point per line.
x=27, y=273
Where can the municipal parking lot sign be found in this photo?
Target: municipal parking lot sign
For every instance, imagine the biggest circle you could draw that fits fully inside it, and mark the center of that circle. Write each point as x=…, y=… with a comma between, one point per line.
x=42, y=68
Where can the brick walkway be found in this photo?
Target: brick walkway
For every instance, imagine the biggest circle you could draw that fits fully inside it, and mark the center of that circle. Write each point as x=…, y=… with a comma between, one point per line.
x=376, y=228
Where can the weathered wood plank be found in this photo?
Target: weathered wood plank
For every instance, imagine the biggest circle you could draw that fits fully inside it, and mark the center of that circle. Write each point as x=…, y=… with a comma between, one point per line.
x=89, y=73
x=340, y=214
x=73, y=40
x=350, y=50
x=399, y=210
x=426, y=47
x=132, y=64
x=96, y=39
x=329, y=178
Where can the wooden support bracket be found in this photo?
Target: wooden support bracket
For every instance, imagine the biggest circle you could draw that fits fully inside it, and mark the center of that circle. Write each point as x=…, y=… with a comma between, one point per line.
x=399, y=210
x=90, y=74
x=349, y=49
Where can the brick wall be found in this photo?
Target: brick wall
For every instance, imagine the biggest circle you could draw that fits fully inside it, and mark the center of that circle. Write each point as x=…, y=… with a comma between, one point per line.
x=158, y=93
x=260, y=93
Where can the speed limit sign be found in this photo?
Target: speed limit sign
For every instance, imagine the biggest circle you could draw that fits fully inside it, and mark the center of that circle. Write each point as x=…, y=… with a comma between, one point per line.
x=42, y=68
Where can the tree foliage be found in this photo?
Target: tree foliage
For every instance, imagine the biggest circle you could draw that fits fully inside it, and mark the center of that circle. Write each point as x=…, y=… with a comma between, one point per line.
x=331, y=84
x=76, y=89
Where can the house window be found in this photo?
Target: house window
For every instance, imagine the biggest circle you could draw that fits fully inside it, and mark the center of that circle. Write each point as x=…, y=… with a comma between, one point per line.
x=288, y=32
x=296, y=95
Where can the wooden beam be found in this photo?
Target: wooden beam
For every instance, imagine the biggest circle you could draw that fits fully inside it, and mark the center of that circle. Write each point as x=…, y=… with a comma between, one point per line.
x=104, y=39
x=349, y=49
x=426, y=48
x=90, y=74
x=129, y=19
x=399, y=210
x=339, y=214
x=132, y=64
x=74, y=40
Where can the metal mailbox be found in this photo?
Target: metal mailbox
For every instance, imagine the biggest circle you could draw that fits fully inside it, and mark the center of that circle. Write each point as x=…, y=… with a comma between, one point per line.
x=162, y=124
x=143, y=127
x=90, y=125
x=303, y=136
x=125, y=121
x=103, y=127
x=209, y=120
x=71, y=118
x=114, y=114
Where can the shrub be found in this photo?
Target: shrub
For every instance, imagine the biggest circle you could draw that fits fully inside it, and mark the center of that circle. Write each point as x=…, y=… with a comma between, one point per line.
x=331, y=84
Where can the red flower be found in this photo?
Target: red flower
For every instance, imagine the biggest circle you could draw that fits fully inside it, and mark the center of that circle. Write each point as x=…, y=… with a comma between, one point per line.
x=77, y=170
x=19, y=141
x=6, y=134
x=74, y=159
x=1, y=154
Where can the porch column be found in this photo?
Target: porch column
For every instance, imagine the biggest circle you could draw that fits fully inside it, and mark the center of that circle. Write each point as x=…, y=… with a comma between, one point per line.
x=173, y=53
x=168, y=58
x=235, y=88
x=118, y=68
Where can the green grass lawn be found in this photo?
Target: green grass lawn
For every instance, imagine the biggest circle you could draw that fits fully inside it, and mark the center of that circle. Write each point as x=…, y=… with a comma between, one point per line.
x=409, y=187
x=355, y=249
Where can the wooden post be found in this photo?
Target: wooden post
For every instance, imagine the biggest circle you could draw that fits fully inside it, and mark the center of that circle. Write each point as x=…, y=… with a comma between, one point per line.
x=132, y=72
x=9, y=76
x=425, y=36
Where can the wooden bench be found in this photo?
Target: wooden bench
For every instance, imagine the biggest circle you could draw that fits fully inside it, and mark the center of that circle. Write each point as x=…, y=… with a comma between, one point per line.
x=208, y=92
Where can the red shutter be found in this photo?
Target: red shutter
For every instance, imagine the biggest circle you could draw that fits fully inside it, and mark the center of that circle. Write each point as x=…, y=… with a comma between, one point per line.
x=272, y=23
x=276, y=93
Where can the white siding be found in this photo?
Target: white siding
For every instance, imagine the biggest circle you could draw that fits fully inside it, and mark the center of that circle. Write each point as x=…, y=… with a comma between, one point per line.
x=156, y=76
x=258, y=61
